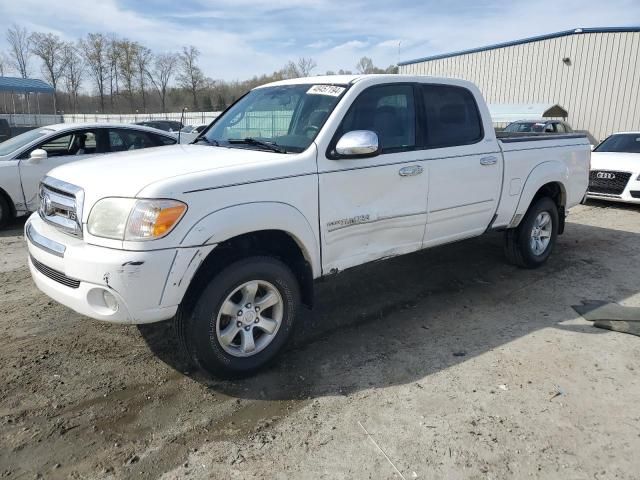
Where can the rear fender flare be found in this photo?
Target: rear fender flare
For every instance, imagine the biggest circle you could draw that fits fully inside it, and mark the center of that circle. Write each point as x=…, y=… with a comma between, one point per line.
x=542, y=174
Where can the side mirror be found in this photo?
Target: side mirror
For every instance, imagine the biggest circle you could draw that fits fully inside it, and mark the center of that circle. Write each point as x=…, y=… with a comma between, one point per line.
x=358, y=144
x=37, y=155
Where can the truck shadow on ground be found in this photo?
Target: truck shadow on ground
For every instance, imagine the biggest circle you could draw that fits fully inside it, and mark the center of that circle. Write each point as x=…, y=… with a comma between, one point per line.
x=398, y=321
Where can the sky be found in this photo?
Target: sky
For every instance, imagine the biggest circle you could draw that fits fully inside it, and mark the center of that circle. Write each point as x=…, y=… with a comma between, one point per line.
x=242, y=38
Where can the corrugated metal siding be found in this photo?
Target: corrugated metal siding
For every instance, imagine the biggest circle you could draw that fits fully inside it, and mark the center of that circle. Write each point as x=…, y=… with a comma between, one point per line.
x=599, y=89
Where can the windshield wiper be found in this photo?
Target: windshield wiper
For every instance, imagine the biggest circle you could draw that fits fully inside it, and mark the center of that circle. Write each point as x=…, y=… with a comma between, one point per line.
x=260, y=143
x=210, y=142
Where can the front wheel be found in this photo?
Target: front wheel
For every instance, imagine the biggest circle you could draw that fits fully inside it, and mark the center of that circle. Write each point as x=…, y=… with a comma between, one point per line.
x=530, y=244
x=243, y=317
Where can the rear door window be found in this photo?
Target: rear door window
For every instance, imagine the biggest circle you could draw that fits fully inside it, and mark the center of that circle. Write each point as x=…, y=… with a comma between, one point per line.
x=121, y=140
x=450, y=116
x=162, y=140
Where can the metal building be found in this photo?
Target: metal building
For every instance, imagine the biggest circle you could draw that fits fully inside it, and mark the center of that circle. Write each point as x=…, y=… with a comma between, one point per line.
x=593, y=73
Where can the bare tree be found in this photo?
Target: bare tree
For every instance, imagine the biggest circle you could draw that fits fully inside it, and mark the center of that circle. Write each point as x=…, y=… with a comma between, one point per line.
x=144, y=57
x=95, y=53
x=19, y=49
x=301, y=68
x=128, y=69
x=164, y=68
x=365, y=65
x=191, y=77
x=306, y=66
x=290, y=70
x=113, y=57
x=3, y=64
x=51, y=50
x=73, y=73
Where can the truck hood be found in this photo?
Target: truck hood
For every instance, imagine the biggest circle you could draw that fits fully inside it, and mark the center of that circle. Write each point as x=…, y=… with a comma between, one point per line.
x=625, y=162
x=169, y=171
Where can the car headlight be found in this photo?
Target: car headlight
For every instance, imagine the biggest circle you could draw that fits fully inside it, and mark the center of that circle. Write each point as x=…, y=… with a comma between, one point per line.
x=135, y=220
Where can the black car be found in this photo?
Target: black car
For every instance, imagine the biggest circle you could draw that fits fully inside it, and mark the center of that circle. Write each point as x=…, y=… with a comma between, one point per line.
x=539, y=126
x=166, y=125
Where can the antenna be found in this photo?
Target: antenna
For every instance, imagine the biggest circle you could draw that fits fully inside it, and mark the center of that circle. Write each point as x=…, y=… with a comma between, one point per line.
x=184, y=109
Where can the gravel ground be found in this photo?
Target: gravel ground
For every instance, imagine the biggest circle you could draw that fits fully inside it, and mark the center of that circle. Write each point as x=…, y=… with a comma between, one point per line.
x=447, y=363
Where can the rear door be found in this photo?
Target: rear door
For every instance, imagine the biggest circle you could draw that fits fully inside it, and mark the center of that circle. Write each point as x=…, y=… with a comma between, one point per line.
x=64, y=148
x=464, y=164
x=371, y=208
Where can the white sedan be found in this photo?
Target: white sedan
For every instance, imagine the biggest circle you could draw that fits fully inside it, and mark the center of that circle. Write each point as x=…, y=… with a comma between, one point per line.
x=26, y=158
x=615, y=169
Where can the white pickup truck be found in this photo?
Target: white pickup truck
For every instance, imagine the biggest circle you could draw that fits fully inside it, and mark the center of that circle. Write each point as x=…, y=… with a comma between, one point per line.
x=298, y=180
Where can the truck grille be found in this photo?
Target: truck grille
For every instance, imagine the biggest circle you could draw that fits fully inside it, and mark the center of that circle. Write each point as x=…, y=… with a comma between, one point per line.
x=61, y=205
x=55, y=275
x=608, y=182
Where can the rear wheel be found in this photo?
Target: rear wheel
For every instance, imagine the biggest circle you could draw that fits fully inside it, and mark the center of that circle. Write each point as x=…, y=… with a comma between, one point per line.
x=243, y=318
x=531, y=243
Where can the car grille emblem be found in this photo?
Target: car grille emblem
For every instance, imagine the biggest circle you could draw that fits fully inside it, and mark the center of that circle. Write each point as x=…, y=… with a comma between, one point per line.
x=606, y=175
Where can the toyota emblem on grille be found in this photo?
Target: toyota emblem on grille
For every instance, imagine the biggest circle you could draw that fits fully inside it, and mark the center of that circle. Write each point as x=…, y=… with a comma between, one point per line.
x=606, y=175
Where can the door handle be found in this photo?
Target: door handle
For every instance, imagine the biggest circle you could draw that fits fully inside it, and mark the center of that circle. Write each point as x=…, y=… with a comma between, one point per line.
x=410, y=171
x=488, y=160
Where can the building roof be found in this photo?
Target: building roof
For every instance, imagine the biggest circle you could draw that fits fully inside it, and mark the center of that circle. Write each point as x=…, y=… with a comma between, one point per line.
x=575, y=31
x=24, y=85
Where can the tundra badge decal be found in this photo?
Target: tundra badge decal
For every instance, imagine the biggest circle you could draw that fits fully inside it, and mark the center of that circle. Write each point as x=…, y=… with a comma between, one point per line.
x=347, y=222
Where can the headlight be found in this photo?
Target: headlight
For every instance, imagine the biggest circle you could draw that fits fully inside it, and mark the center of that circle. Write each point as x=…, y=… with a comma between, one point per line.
x=131, y=219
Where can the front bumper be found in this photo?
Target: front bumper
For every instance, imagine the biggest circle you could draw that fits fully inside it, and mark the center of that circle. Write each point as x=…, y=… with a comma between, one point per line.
x=145, y=286
x=626, y=197
x=630, y=194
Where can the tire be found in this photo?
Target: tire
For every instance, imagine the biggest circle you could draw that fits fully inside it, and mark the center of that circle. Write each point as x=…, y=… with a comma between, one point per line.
x=521, y=248
x=221, y=329
x=5, y=212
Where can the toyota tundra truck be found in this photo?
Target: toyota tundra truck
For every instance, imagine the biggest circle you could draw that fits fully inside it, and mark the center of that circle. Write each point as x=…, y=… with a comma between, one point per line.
x=298, y=180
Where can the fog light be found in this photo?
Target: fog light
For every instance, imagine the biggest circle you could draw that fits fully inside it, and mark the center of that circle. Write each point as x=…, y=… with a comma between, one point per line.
x=110, y=301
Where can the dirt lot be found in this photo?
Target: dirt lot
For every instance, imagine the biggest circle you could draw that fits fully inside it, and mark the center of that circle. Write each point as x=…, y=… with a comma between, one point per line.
x=456, y=364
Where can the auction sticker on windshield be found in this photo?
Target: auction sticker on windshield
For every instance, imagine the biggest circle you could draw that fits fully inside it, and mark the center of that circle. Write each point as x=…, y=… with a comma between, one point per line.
x=331, y=90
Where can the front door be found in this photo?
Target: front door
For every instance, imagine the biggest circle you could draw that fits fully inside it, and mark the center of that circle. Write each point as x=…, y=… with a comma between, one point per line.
x=372, y=208
x=64, y=148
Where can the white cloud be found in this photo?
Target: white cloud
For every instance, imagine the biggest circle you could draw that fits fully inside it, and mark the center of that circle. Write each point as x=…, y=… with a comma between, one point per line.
x=319, y=44
x=351, y=45
x=390, y=43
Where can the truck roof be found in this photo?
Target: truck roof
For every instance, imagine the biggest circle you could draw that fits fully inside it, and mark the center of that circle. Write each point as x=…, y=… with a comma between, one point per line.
x=373, y=78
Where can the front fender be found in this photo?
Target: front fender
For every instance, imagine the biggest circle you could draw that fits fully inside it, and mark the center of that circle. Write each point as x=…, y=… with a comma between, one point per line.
x=546, y=172
x=230, y=222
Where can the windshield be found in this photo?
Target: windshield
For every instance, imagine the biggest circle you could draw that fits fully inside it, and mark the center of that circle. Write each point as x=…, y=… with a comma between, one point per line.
x=520, y=127
x=624, y=142
x=16, y=143
x=288, y=116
